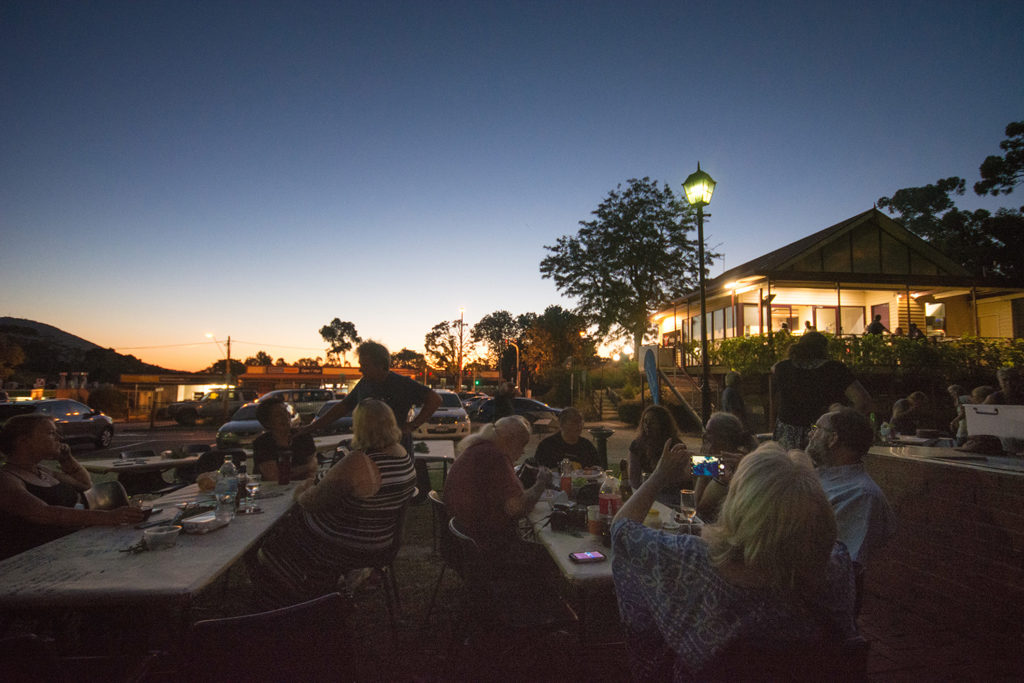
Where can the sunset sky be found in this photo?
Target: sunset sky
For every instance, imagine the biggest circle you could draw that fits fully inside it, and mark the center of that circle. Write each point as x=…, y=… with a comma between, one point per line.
x=255, y=169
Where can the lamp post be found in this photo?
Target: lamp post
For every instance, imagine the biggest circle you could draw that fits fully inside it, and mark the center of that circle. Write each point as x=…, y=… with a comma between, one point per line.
x=517, y=360
x=462, y=317
x=699, y=187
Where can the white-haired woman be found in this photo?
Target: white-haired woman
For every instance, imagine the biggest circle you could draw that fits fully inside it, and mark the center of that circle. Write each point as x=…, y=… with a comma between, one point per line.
x=482, y=491
x=769, y=571
x=347, y=515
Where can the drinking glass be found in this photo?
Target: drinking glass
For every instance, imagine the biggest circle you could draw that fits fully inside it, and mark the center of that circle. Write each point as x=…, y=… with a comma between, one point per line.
x=252, y=487
x=688, y=507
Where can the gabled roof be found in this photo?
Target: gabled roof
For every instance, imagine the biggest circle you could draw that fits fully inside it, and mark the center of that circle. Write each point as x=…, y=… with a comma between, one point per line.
x=869, y=247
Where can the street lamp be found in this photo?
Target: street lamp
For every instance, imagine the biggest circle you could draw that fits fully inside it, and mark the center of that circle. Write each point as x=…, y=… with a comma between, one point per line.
x=462, y=316
x=517, y=360
x=699, y=187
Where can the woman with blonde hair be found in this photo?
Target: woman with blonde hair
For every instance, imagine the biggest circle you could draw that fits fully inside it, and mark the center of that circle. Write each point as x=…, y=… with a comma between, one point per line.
x=768, y=572
x=343, y=517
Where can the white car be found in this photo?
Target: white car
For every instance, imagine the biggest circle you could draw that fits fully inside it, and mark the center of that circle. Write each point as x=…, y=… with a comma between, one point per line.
x=449, y=421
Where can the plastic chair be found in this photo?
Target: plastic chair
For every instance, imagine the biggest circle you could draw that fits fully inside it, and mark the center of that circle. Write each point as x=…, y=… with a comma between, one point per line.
x=443, y=540
x=188, y=473
x=300, y=642
x=382, y=563
x=106, y=495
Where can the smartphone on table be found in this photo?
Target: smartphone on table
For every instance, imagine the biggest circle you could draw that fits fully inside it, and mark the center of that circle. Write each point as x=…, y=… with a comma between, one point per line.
x=588, y=556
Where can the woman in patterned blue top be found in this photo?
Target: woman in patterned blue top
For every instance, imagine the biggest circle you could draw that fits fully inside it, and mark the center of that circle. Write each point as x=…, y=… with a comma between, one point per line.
x=769, y=571
x=346, y=516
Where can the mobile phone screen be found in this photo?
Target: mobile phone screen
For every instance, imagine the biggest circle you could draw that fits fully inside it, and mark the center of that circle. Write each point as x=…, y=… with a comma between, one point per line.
x=705, y=466
x=590, y=556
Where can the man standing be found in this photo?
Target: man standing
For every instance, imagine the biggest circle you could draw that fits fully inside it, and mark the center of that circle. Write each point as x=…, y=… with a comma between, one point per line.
x=837, y=446
x=876, y=326
x=398, y=392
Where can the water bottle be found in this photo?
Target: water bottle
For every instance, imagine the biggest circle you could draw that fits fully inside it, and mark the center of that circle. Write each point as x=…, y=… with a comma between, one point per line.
x=609, y=497
x=226, y=490
x=565, y=469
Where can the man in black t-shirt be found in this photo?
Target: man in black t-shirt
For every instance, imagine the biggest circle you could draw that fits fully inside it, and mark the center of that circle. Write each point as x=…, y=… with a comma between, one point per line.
x=398, y=392
x=567, y=443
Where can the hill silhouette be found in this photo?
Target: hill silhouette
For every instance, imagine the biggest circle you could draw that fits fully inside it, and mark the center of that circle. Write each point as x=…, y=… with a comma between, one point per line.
x=50, y=351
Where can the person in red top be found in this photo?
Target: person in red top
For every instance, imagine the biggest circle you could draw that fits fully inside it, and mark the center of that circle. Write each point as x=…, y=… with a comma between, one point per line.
x=482, y=491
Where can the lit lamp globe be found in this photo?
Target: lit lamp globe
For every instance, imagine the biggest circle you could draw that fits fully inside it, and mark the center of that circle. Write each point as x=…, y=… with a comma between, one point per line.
x=699, y=187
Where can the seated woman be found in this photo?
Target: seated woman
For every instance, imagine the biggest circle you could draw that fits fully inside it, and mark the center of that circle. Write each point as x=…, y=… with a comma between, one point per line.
x=37, y=504
x=724, y=437
x=769, y=571
x=567, y=442
x=656, y=428
x=344, y=518
x=279, y=440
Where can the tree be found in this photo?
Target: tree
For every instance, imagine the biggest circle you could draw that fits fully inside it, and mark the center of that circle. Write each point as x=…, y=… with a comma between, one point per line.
x=632, y=259
x=11, y=356
x=557, y=340
x=217, y=368
x=341, y=337
x=999, y=174
x=309, y=363
x=441, y=346
x=408, y=359
x=494, y=330
x=261, y=358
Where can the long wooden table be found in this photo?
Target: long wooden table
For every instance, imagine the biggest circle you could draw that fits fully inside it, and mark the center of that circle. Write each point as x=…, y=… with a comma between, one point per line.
x=86, y=568
x=951, y=457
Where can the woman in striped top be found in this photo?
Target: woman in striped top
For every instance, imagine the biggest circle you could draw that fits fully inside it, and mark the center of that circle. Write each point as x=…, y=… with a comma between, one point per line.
x=342, y=518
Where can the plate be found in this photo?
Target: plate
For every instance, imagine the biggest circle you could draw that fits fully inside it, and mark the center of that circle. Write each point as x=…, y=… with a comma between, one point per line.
x=203, y=524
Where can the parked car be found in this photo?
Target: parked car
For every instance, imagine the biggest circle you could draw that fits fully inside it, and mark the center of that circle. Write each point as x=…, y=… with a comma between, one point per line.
x=76, y=421
x=328, y=438
x=210, y=406
x=307, y=402
x=472, y=405
x=542, y=416
x=449, y=421
x=243, y=427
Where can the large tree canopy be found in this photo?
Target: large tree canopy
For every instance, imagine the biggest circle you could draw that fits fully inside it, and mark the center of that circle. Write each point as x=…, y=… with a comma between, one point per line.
x=999, y=174
x=633, y=258
x=441, y=345
x=341, y=337
x=495, y=329
x=985, y=243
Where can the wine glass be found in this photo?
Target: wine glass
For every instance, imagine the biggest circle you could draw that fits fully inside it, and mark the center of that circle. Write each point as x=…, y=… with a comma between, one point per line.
x=252, y=487
x=688, y=507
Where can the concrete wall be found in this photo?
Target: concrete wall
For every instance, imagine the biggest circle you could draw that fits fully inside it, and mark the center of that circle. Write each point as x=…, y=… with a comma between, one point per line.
x=958, y=555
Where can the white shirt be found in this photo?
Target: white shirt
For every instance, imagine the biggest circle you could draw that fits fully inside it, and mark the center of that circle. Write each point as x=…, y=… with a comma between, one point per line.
x=863, y=516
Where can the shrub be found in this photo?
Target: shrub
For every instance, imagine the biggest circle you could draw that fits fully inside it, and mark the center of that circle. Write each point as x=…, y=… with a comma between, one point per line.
x=629, y=412
x=110, y=400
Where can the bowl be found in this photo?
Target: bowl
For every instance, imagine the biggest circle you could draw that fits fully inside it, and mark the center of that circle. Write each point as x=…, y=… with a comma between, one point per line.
x=161, y=537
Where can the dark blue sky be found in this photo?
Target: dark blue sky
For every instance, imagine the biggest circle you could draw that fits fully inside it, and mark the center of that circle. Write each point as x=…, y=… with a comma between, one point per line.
x=255, y=169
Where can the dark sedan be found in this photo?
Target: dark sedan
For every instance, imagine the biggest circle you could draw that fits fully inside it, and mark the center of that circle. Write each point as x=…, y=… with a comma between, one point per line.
x=76, y=421
x=542, y=416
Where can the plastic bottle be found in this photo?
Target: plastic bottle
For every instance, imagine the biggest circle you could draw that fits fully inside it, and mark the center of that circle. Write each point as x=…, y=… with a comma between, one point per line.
x=609, y=498
x=565, y=467
x=226, y=490
x=243, y=477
